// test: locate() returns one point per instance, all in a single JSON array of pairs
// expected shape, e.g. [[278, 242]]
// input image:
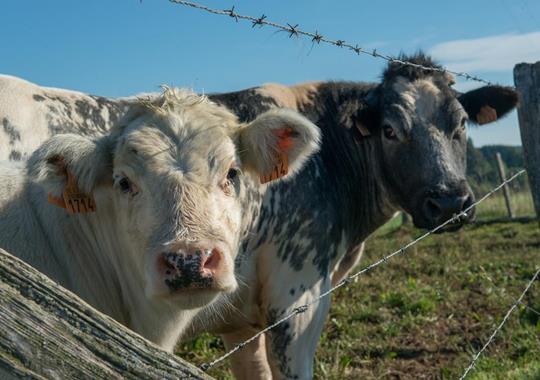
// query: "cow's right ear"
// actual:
[[86, 161]]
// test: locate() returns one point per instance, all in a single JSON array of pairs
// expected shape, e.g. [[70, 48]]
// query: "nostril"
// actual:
[[467, 202], [211, 260], [432, 209]]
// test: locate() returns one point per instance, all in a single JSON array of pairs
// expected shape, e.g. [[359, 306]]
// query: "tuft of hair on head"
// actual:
[[172, 99], [395, 69], [184, 102]]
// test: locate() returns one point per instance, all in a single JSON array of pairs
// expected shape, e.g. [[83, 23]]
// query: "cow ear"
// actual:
[[489, 103], [277, 144], [85, 162]]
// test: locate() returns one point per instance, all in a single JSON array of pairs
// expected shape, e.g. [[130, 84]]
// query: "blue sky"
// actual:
[[123, 47]]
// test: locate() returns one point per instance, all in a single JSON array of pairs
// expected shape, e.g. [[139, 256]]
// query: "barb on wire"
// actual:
[[500, 326], [316, 37], [348, 279]]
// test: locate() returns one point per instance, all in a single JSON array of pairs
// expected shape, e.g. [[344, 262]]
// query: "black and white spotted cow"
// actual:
[[395, 145], [145, 221]]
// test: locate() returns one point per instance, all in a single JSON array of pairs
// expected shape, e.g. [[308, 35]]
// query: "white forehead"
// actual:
[[183, 131], [421, 97]]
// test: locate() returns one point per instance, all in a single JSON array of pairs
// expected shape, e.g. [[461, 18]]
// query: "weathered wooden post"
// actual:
[[506, 188], [47, 332], [527, 80]]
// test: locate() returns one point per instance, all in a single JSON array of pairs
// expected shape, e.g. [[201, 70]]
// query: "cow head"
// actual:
[[175, 183], [421, 122]]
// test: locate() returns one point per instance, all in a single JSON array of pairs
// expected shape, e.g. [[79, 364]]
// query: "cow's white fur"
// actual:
[[177, 149]]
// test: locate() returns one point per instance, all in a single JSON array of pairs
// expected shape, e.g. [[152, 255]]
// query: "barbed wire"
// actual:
[[499, 327], [301, 309], [294, 30]]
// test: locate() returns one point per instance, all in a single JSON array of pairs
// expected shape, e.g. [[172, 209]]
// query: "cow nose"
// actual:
[[438, 209], [191, 268]]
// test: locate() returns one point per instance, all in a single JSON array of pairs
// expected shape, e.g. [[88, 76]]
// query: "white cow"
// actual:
[[145, 221]]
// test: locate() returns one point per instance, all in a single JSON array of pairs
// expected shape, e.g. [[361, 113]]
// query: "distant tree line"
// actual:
[[482, 166]]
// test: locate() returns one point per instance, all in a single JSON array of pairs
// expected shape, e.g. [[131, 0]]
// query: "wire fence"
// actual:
[[301, 309], [499, 327], [293, 30]]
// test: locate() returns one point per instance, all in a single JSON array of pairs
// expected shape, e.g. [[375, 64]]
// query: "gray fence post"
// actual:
[[506, 188], [47, 332], [527, 80]]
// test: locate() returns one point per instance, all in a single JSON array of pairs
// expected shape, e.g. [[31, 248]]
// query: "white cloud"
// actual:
[[494, 53]]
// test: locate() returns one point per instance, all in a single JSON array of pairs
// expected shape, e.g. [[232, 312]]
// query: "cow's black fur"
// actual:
[[343, 192]]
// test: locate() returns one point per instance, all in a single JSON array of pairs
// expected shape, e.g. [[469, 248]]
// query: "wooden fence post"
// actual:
[[506, 188], [47, 332], [527, 80]]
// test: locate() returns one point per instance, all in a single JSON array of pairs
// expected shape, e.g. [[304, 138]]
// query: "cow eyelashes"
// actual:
[[389, 132]]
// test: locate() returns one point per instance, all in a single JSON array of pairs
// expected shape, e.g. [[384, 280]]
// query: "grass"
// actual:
[[494, 206], [423, 315]]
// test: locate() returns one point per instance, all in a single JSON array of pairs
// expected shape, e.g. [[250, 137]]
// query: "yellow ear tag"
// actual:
[[280, 168], [73, 199]]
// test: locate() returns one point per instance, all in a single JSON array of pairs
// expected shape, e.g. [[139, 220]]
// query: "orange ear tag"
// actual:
[[486, 115], [364, 132], [280, 168], [73, 199]]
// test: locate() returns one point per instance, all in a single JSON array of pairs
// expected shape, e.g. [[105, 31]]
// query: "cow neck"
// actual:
[[350, 174]]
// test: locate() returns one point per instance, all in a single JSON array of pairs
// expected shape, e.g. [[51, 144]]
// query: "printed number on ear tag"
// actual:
[[73, 199], [76, 201], [280, 168]]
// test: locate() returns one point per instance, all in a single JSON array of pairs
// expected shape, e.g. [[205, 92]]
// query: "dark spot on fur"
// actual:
[[38, 98], [13, 134], [15, 155], [292, 291], [246, 104], [61, 118], [280, 340]]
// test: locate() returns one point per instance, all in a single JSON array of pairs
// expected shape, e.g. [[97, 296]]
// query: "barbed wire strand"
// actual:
[[349, 279], [499, 327], [294, 30]]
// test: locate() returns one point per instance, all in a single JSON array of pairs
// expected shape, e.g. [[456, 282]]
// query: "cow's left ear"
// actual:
[[277, 144], [68, 162], [489, 103]]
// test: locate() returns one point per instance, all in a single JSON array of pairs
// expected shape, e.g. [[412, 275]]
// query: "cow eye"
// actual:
[[232, 174], [389, 132], [125, 186], [228, 184], [458, 133], [128, 187]]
